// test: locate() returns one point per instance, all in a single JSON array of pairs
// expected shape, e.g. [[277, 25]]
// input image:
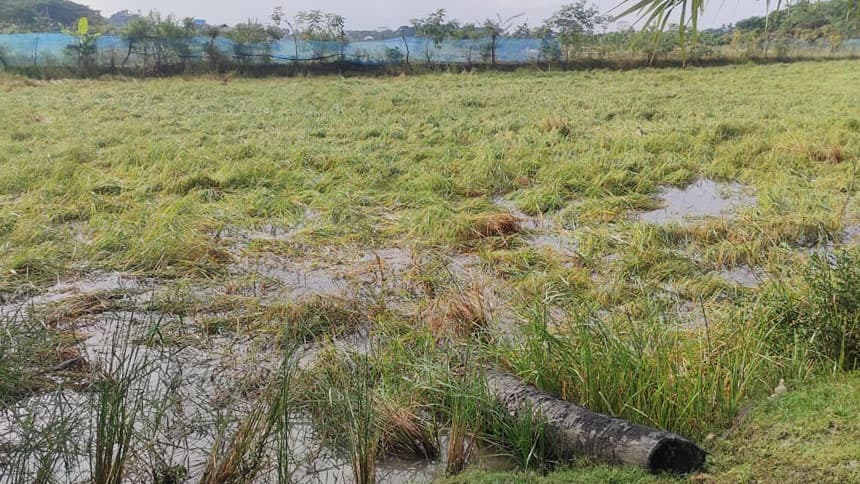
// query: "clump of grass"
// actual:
[[10, 82], [610, 208], [831, 154], [242, 456], [167, 242], [27, 354], [406, 381], [249, 286], [344, 409], [492, 225], [636, 369], [283, 409], [43, 445], [465, 399], [195, 182], [120, 403], [170, 474], [28, 271], [238, 459], [523, 437], [407, 431], [226, 313], [82, 305], [519, 263], [541, 200], [822, 313], [317, 317], [629, 366], [726, 131], [80, 154], [460, 314], [726, 243], [556, 124]]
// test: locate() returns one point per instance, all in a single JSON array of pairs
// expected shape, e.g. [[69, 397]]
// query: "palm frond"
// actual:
[[658, 13]]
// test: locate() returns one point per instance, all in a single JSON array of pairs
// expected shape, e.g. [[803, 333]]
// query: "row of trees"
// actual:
[[161, 41], [165, 40], [564, 33], [575, 30]]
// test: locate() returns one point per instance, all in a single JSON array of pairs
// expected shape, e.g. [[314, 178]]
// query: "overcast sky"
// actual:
[[370, 14]]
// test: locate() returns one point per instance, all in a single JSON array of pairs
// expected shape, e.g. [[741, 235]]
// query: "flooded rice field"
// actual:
[[195, 361]]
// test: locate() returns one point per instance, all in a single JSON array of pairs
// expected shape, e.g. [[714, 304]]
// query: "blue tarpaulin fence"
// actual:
[[47, 49], [59, 49]]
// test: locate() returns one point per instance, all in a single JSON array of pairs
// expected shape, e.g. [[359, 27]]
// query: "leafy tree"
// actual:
[[435, 27], [213, 53], [403, 30], [137, 31], [655, 43], [804, 20], [250, 35], [172, 39], [550, 49], [164, 39], [470, 37], [393, 55], [316, 25], [573, 23], [523, 31], [336, 27], [282, 22], [495, 28]]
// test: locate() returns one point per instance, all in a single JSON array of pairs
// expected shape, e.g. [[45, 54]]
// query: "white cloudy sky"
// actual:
[[368, 14]]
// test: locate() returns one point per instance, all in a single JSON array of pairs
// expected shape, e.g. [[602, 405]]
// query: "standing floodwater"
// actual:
[[704, 198]]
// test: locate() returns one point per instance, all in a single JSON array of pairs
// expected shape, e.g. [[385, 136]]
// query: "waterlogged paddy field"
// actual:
[[195, 272]]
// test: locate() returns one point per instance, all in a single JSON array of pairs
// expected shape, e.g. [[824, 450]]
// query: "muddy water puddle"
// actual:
[[469, 273], [562, 244], [704, 198], [199, 386], [851, 235], [544, 232], [64, 290], [296, 280], [264, 232], [239, 238], [176, 395], [197, 394], [347, 276], [849, 238], [744, 276], [526, 221]]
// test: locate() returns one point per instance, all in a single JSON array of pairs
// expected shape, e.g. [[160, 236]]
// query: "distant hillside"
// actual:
[[43, 15], [810, 19], [803, 19]]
